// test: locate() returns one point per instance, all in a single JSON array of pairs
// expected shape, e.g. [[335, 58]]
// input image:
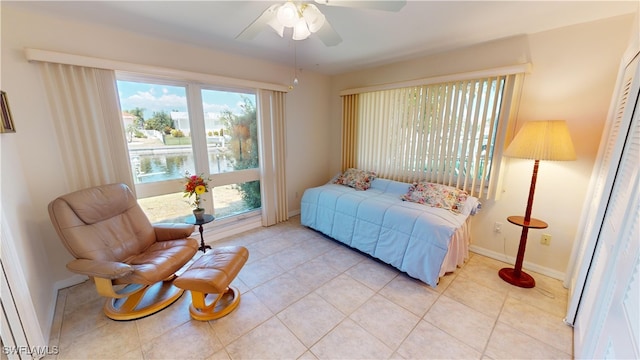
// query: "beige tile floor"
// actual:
[[307, 297]]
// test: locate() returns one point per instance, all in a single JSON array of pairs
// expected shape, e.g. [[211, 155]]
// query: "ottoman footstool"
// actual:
[[211, 274]]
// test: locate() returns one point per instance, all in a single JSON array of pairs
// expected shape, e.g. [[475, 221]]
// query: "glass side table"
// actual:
[[207, 218]]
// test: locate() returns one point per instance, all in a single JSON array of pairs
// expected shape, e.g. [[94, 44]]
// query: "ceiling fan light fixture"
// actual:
[[314, 18], [301, 30], [277, 26], [288, 14]]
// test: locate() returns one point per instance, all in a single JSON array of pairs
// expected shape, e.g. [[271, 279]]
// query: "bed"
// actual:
[[421, 240]]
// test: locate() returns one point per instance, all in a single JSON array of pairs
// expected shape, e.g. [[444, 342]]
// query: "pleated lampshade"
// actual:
[[542, 140]]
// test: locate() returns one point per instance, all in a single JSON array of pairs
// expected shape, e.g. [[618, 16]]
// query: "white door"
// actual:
[[608, 318], [603, 177]]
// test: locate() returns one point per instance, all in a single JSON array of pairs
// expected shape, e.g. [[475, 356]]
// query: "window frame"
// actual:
[[193, 93]]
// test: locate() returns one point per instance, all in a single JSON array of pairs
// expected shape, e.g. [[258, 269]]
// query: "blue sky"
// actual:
[[152, 97]]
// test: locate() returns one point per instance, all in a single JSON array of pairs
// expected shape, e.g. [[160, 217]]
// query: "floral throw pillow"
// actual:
[[436, 195], [356, 178]]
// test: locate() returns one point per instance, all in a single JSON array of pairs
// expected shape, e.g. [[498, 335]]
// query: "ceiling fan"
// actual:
[[305, 18]]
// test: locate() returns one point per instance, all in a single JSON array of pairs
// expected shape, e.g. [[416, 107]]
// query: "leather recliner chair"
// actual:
[[131, 261]]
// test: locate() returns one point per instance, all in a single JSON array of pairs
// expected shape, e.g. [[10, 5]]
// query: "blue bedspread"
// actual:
[[412, 237]]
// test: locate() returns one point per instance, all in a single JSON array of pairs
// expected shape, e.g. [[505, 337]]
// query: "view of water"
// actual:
[[148, 167], [159, 167]]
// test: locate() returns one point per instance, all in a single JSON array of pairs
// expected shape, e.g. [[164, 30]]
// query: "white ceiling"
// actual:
[[370, 37]]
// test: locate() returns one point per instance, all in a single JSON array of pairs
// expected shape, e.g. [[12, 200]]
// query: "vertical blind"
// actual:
[[349, 130], [272, 157], [447, 133], [85, 110]]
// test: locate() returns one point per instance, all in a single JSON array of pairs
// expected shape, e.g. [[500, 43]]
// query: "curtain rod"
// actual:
[[80, 60], [505, 70]]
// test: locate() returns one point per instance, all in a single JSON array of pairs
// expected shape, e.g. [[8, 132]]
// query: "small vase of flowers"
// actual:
[[196, 185]]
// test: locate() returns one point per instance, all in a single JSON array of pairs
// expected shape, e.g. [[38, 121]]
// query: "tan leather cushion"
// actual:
[[101, 202], [171, 231], [102, 223], [159, 261], [214, 271]]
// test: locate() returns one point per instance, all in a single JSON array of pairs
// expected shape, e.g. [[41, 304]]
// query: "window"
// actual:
[[107, 158], [158, 134], [173, 128], [445, 132]]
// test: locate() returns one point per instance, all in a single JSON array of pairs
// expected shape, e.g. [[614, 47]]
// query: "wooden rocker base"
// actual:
[[147, 300], [221, 306]]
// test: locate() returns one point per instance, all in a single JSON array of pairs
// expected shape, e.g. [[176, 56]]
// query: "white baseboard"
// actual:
[[57, 286], [70, 281], [512, 260], [294, 213], [215, 233]]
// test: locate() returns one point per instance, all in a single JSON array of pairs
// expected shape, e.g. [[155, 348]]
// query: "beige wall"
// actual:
[[573, 76], [31, 160]]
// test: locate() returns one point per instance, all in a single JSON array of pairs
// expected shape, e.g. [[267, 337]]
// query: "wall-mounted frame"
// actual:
[[6, 125]]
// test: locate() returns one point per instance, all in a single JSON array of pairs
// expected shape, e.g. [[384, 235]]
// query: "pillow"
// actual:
[[437, 195], [356, 178]]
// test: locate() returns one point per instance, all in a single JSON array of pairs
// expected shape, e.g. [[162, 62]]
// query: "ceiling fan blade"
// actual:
[[328, 36], [393, 5], [258, 24]]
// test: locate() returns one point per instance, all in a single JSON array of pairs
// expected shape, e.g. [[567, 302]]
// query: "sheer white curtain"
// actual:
[[86, 114], [443, 133], [272, 157]]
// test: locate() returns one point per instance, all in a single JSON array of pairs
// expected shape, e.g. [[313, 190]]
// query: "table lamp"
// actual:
[[537, 140]]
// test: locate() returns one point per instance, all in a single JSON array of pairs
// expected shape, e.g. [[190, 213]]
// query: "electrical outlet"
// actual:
[[545, 239], [497, 227]]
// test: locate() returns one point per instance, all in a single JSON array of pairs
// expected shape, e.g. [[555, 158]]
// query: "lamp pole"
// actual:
[[516, 276]]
